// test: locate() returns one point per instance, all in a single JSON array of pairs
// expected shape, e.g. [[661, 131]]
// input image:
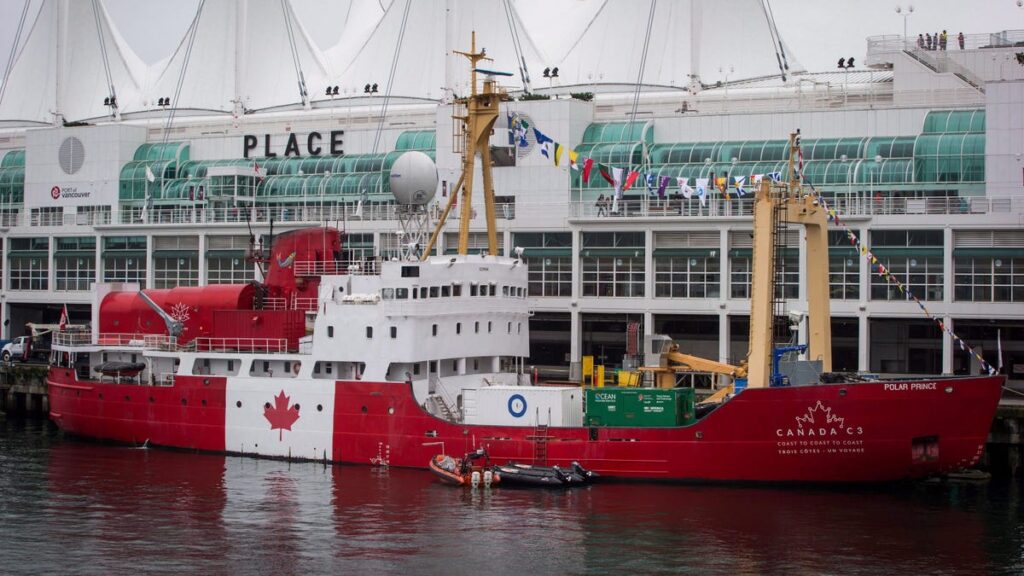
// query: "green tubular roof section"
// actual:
[[617, 132], [162, 151], [13, 158], [422, 140], [954, 122]]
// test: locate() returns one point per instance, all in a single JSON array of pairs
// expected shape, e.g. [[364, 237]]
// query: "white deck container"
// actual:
[[523, 405]]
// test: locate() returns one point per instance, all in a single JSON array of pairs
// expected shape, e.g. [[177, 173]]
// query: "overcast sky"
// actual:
[[818, 32]]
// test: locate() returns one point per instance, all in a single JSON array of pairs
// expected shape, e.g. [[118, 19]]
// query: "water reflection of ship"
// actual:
[[171, 509], [127, 501]]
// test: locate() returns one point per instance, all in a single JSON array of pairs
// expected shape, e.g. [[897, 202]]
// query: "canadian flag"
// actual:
[[63, 319]]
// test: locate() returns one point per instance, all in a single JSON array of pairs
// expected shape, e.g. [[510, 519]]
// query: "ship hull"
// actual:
[[863, 432]]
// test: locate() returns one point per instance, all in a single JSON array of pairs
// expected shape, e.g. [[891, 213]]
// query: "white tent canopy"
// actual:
[[250, 54]]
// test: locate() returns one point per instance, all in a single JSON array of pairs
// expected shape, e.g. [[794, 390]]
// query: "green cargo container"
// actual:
[[640, 407]]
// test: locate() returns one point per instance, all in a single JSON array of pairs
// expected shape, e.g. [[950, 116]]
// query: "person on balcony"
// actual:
[[960, 40]]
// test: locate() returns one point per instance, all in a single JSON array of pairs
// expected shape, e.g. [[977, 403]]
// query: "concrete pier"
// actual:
[[23, 390]]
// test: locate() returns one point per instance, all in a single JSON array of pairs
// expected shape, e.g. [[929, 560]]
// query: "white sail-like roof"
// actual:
[[65, 72], [248, 53], [242, 51], [591, 42]]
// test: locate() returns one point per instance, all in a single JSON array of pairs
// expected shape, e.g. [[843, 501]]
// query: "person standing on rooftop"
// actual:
[[920, 41], [928, 41], [960, 40], [943, 40]]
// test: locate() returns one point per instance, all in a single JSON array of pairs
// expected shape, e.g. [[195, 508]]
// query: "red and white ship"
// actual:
[[400, 353]]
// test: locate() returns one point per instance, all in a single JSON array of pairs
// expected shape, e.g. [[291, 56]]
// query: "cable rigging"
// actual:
[[643, 63], [193, 30], [517, 44], [773, 31], [111, 98], [391, 75], [14, 49], [303, 93]]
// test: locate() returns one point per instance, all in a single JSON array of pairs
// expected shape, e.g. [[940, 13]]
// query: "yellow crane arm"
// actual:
[[704, 365]]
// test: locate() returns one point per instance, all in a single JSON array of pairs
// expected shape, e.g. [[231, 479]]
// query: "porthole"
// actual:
[[297, 407], [238, 404], [151, 400], [127, 398], [266, 406], [184, 402], [204, 402], [364, 409], [319, 407], [391, 410], [101, 395]]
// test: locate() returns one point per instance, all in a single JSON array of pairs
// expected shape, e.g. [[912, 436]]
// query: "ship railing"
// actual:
[[163, 379], [305, 304], [275, 303], [336, 267], [205, 344], [72, 338]]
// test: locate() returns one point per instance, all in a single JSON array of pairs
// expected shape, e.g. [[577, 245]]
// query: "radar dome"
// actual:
[[413, 178]]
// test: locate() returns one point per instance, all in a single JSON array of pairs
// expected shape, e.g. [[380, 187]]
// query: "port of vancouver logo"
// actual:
[[818, 422]]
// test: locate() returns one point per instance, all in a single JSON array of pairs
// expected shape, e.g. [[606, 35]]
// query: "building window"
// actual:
[[394, 331], [550, 276], [686, 277], [125, 269], [28, 273], [74, 263], [843, 267], [787, 275], [843, 277], [169, 272], [739, 277], [433, 329], [48, 216], [914, 257], [330, 331], [988, 279], [458, 327], [369, 331], [74, 272], [229, 271], [28, 264], [921, 277], [124, 259], [613, 276]]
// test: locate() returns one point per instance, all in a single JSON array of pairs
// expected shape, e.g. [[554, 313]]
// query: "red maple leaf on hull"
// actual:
[[281, 416]]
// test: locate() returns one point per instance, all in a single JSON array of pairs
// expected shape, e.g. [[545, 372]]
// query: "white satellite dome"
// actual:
[[413, 178]]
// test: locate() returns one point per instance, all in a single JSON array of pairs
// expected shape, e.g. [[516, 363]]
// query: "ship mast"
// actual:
[[472, 137], [775, 205]]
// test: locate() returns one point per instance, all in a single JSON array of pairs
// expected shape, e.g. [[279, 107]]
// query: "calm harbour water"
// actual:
[[69, 506]]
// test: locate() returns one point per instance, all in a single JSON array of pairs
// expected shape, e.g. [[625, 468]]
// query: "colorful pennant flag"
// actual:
[[739, 185], [546, 144], [702, 190], [573, 158], [684, 187], [662, 185], [588, 165], [630, 180]]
